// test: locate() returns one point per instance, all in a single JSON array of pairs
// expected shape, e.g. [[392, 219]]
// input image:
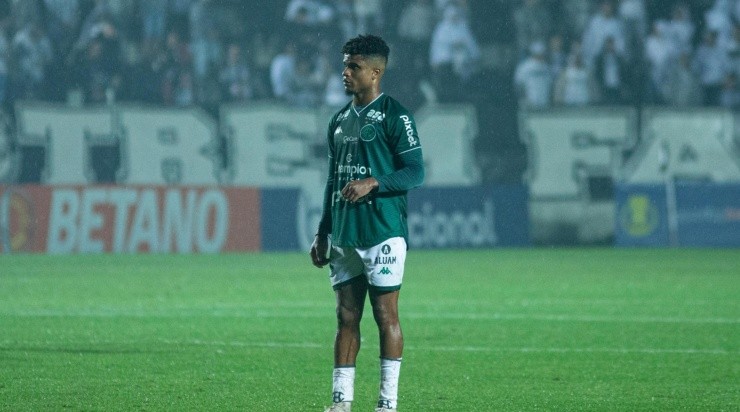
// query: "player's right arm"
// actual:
[[320, 245]]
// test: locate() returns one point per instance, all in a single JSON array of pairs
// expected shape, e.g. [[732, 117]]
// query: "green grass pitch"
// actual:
[[487, 330]]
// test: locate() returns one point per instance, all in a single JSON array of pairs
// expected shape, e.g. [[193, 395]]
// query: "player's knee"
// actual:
[[348, 317], [385, 315]]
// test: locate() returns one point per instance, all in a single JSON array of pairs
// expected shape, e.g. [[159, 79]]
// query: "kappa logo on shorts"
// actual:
[[385, 271]]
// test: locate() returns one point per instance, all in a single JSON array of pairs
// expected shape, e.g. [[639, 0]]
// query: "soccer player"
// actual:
[[374, 159]]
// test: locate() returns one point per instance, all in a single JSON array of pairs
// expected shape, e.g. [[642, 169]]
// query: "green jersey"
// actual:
[[379, 140]]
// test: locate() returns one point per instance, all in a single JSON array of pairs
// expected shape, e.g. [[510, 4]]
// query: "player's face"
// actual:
[[358, 74]]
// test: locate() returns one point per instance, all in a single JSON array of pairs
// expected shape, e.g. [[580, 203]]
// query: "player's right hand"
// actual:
[[319, 250]]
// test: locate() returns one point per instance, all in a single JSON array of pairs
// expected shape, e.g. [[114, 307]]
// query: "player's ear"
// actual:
[[377, 73]]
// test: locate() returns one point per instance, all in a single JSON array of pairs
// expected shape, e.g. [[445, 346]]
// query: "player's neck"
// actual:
[[364, 98]]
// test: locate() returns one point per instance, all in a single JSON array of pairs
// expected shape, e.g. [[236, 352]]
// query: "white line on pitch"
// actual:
[[309, 345], [421, 348], [266, 314]]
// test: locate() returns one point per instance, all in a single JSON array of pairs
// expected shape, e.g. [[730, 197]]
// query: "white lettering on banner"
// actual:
[[268, 145], [130, 220], [566, 147], [122, 200], [65, 205], [66, 134], [214, 203], [448, 164], [145, 224], [91, 221], [169, 147], [693, 144], [454, 229], [177, 224], [276, 147]]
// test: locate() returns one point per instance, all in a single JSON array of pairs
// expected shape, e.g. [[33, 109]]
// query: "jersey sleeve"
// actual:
[[404, 141], [408, 176], [325, 224], [401, 131]]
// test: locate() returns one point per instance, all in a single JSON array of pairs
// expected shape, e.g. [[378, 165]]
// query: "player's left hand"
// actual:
[[355, 190]]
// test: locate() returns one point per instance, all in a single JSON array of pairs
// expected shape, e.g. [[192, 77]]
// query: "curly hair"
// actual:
[[367, 45]]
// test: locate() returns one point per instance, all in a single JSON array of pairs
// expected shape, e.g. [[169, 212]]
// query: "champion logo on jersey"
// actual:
[[375, 115]]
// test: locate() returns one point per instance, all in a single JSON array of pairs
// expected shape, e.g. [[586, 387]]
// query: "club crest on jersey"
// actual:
[[368, 133]]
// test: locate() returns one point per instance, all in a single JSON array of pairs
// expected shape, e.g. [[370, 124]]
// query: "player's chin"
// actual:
[[348, 91]]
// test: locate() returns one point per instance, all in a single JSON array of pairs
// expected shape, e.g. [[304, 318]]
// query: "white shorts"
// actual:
[[381, 264]]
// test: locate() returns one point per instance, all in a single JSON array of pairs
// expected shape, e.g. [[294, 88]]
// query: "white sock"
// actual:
[[343, 385], [389, 371]]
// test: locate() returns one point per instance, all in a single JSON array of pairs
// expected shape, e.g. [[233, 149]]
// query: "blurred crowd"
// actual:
[[535, 53], [618, 54]]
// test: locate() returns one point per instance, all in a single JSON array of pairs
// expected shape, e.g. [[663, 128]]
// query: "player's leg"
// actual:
[[350, 289], [350, 304], [385, 312], [385, 268]]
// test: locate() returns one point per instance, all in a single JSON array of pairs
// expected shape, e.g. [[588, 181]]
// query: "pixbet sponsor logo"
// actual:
[[430, 227], [410, 135]]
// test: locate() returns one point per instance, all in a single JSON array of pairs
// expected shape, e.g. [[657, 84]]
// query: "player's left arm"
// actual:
[[404, 141], [408, 176]]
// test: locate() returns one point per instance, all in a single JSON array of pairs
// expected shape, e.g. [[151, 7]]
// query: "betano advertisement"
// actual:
[[128, 219]]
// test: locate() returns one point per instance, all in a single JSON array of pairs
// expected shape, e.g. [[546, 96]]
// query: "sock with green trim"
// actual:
[[389, 372]]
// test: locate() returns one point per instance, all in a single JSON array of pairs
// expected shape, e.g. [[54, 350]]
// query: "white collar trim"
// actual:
[[366, 106]]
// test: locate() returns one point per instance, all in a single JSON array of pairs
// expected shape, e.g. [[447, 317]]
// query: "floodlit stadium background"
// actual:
[[161, 171], [198, 126]]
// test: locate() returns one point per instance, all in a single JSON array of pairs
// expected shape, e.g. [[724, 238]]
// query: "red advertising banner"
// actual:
[[129, 219]]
